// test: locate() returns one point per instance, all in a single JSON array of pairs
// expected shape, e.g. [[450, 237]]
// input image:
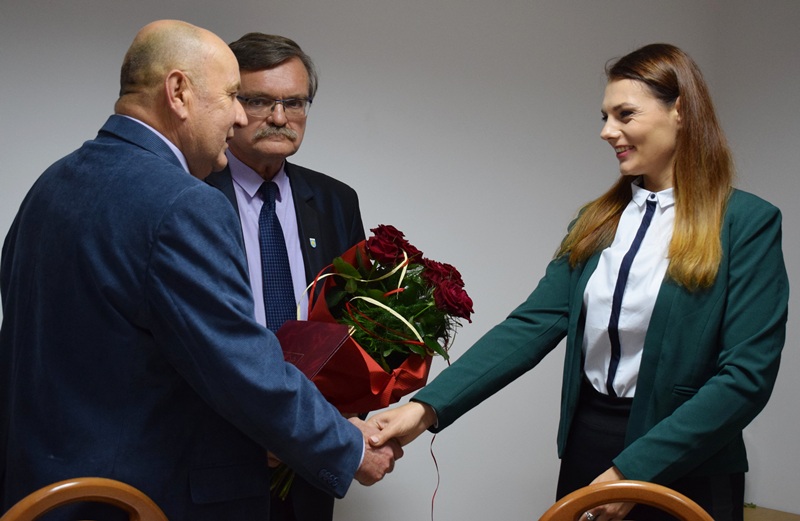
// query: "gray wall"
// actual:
[[473, 126]]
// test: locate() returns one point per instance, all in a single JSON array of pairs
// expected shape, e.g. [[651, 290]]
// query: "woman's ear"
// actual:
[[677, 108]]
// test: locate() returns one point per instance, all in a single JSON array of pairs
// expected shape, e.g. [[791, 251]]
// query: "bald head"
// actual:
[[182, 80], [158, 48]]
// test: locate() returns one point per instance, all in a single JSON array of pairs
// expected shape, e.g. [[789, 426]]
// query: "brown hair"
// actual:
[[257, 51], [703, 171]]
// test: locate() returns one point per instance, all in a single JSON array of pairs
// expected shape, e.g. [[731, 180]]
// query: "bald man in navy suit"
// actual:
[[128, 347]]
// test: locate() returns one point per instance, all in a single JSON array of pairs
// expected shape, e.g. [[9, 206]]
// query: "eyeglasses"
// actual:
[[260, 107]]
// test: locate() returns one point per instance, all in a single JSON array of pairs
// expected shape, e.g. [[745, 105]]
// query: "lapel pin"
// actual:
[[313, 242]]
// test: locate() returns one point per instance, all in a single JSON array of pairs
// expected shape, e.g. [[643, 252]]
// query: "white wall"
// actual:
[[473, 126]]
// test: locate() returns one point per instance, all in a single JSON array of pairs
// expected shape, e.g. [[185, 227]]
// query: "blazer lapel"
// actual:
[[315, 253], [576, 306], [668, 295], [223, 181]]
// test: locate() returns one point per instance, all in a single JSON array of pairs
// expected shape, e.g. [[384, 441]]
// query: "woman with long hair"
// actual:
[[672, 293]]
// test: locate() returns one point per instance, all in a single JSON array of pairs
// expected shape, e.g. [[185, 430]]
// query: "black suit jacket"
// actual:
[[328, 215], [329, 223]]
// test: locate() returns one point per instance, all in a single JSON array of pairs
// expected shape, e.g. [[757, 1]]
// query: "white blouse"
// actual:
[[644, 281]]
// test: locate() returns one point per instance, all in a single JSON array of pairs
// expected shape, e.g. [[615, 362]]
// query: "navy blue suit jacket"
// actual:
[[128, 348]]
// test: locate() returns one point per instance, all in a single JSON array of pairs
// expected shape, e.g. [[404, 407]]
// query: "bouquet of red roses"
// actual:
[[401, 308]]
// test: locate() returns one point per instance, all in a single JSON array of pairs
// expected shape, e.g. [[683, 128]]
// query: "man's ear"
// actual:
[[178, 93]]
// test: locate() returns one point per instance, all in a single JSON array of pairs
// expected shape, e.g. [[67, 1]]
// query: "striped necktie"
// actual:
[[619, 290]]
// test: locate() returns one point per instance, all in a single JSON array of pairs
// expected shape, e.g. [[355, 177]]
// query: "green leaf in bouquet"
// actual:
[[437, 348], [362, 263], [418, 349], [434, 329], [376, 294], [411, 295], [334, 297], [345, 268]]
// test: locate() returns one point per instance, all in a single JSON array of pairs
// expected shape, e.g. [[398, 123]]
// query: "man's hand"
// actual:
[[272, 460], [378, 460], [403, 423]]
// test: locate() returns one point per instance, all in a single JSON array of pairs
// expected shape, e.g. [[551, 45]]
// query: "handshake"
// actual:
[[386, 433]]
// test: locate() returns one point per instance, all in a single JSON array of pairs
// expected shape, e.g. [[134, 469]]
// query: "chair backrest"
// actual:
[[573, 505], [133, 501]]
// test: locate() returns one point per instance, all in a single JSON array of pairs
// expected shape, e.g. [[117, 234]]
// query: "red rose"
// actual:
[[451, 298], [436, 272], [387, 245], [387, 232]]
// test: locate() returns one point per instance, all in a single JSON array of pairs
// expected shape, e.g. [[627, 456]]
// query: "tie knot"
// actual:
[[268, 191]]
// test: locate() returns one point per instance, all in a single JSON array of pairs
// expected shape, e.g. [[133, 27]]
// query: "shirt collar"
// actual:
[[170, 144], [664, 198], [249, 180]]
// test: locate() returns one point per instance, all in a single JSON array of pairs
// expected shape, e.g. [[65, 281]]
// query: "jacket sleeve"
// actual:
[[749, 335], [507, 351], [199, 306]]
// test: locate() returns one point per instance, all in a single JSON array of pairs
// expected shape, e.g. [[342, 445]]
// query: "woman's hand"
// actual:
[[611, 511], [404, 423]]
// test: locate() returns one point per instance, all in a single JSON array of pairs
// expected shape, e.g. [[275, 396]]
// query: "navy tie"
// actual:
[[279, 302], [619, 289]]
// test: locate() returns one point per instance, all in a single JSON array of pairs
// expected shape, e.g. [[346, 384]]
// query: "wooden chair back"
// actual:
[[572, 506], [133, 501]]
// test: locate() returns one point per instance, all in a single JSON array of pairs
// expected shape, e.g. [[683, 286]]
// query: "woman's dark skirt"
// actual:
[[597, 436]]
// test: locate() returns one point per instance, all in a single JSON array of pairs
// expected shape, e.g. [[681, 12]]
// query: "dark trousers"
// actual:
[[305, 502], [596, 437]]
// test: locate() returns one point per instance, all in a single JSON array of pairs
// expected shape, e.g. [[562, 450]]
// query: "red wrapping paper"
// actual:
[[352, 380]]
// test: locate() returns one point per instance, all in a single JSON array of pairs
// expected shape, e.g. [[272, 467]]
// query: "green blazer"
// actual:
[[709, 362]]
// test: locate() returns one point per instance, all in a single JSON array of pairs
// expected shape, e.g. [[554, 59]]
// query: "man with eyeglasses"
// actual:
[[319, 215]]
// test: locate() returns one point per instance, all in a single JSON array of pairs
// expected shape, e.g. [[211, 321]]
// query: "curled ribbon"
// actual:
[[402, 266], [393, 312]]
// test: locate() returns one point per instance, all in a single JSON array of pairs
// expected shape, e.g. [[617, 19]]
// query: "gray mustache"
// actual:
[[275, 131]]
